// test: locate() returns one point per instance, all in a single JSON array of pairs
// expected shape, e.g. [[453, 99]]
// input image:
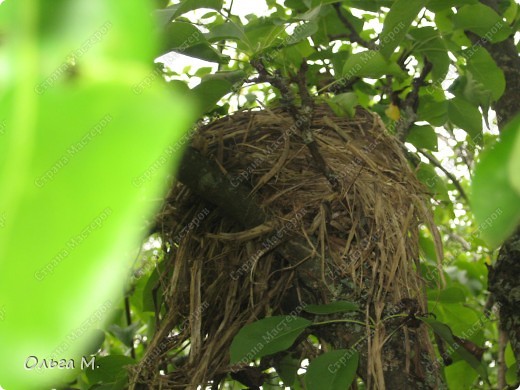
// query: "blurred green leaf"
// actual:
[[459, 377], [97, 337], [67, 183], [511, 376], [447, 295], [514, 160], [494, 200]]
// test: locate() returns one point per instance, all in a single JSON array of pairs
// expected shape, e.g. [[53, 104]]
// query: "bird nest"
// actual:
[[274, 231]]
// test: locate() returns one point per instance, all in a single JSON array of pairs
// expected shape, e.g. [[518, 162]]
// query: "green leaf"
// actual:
[[296, 5], [302, 31], [209, 92], [428, 248], [423, 137], [447, 295], [232, 76], [369, 63], [440, 5], [330, 308], [330, 25], [185, 38], [229, 31], [494, 200], [486, 72], [460, 317], [445, 333], [149, 287], [483, 21], [292, 56], [173, 11], [511, 375], [397, 22], [459, 377], [180, 35], [511, 12], [262, 33], [432, 111], [125, 334], [109, 369], [514, 160], [334, 370], [311, 15], [470, 89], [369, 5], [467, 117], [315, 3], [288, 368], [429, 43], [265, 337], [344, 104]]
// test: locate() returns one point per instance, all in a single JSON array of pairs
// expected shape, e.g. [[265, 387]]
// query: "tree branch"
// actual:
[[302, 116], [448, 174], [411, 103], [353, 34]]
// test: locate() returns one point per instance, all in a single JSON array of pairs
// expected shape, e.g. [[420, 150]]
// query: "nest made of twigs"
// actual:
[[219, 275]]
